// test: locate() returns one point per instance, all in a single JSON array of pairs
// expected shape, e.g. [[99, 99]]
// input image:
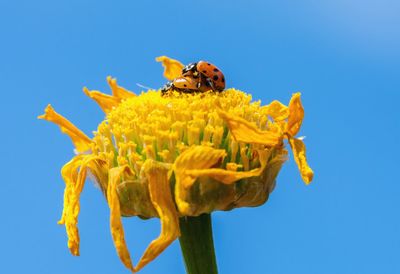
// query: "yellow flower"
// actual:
[[177, 155]]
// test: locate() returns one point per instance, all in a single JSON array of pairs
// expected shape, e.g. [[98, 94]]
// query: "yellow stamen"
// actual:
[[79, 139], [243, 157], [234, 150]]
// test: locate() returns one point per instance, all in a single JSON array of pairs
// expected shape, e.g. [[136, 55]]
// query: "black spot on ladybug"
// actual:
[[216, 70], [184, 85], [223, 79], [204, 71], [209, 64], [215, 77]]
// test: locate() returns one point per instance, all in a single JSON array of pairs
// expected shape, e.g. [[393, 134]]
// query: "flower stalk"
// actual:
[[197, 244]]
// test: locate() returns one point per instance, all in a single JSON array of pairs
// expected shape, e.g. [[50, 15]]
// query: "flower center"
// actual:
[[151, 126]]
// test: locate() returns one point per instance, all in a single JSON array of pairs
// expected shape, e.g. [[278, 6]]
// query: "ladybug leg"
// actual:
[[202, 84], [205, 84], [167, 87], [210, 83]]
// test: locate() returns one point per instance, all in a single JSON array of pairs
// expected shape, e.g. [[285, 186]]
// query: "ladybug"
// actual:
[[209, 75], [184, 84]]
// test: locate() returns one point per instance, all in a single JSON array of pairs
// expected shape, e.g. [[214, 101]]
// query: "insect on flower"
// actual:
[[197, 77], [210, 76], [183, 84], [183, 155]]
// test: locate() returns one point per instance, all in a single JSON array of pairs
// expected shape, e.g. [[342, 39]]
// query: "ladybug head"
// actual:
[[166, 87], [190, 67]]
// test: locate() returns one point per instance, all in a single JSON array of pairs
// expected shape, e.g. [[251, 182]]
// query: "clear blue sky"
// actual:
[[344, 56]]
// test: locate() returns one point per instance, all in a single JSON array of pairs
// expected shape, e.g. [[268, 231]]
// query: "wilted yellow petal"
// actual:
[[244, 131], [106, 102], [72, 193], [224, 176], [118, 91], [296, 115], [276, 110], [99, 171], [80, 140], [69, 173], [194, 158], [160, 194], [229, 176], [172, 68], [299, 152], [233, 166], [117, 230]]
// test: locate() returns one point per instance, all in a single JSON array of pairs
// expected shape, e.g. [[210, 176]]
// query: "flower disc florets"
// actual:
[[178, 155]]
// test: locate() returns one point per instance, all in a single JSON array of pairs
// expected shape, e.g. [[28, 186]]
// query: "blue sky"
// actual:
[[344, 56]]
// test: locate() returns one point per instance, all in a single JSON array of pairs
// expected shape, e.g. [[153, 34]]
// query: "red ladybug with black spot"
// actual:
[[210, 77]]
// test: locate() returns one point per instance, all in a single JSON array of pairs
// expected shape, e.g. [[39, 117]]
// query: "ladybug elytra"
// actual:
[[181, 84], [208, 74]]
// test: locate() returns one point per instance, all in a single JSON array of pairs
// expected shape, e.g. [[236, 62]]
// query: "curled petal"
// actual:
[[224, 176], [74, 185], [233, 166], [69, 173], [229, 176], [276, 110], [117, 230], [117, 91], [160, 194], [195, 158], [172, 68], [244, 131], [81, 141], [299, 152], [296, 115], [99, 172], [106, 102]]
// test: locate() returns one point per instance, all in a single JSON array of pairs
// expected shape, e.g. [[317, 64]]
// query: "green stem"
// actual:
[[197, 244]]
